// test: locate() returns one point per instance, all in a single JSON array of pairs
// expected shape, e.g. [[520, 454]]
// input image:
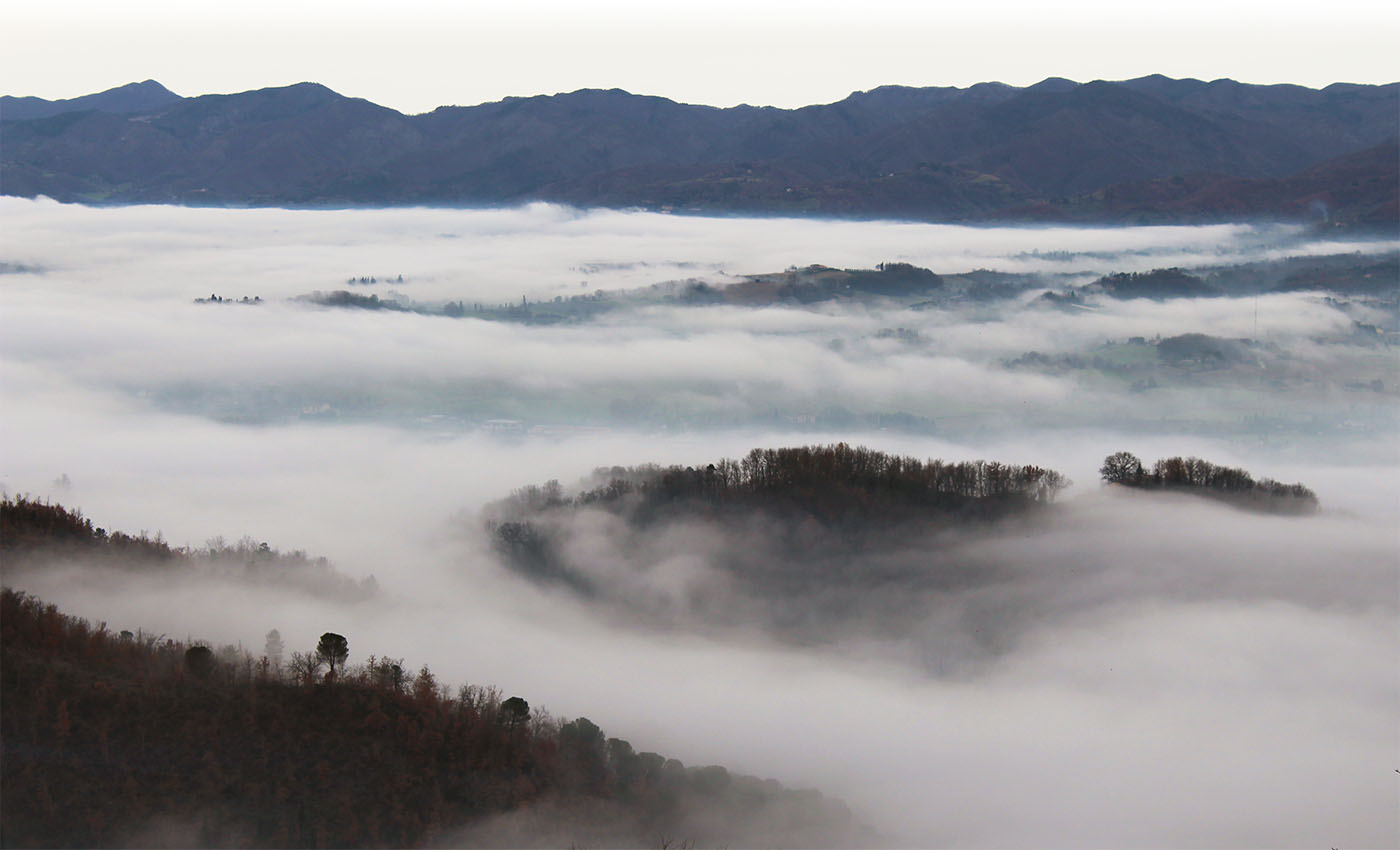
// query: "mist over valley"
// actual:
[[954, 613]]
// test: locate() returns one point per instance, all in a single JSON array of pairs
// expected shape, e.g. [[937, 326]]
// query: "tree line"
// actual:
[[831, 482], [1194, 475]]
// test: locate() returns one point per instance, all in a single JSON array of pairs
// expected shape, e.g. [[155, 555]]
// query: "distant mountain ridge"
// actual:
[[1055, 150]]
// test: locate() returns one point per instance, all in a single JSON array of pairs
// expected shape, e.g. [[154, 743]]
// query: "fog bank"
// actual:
[[1146, 670]]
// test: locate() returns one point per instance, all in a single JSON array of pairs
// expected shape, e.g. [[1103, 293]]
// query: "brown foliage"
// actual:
[[108, 742]]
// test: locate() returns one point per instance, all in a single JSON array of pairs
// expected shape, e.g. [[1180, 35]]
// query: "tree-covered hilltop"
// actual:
[[29, 527], [37, 535], [1193, 475], [124, 739], [833, 484], [1157, 284], [801, 542]]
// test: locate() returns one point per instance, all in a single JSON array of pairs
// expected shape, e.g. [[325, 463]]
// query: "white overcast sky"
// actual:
[[414, 55]]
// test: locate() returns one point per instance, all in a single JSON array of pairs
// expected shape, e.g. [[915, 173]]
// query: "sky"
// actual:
[[419, 54]]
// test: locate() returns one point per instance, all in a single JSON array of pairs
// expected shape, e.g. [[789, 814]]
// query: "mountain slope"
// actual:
[[130, 98], [925, 153], [1361, 188]]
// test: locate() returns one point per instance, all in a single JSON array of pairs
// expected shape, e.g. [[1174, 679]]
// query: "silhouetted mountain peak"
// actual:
[[989, 91], [148, 86], [1054, 84], [1164, 87], [604, 94], [144, 96], [266, 104], [304, 91]]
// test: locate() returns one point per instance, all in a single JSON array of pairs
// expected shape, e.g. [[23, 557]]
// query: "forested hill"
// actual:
[[1149, 149], [124, 739], [805, 543], [837, 485]]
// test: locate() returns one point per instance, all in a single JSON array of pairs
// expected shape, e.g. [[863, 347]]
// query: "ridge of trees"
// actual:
[[1194, 475], [34, 533], [27, 525], [831, 483], [115, 739]]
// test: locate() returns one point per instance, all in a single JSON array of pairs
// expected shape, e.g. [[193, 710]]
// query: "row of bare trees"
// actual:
[[837, 468], [1193, 474]]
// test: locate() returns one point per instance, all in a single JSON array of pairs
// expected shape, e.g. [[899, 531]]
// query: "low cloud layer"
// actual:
[[1147, 669], [104, 299]]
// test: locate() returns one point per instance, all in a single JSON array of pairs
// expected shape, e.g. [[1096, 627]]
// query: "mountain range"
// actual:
[[1152, 149]]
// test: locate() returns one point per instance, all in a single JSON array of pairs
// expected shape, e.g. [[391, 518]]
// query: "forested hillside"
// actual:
[[126, 739], [36, 535], [806, 543]]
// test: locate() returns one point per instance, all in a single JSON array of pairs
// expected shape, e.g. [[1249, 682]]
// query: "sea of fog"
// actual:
[[1192, 675]]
